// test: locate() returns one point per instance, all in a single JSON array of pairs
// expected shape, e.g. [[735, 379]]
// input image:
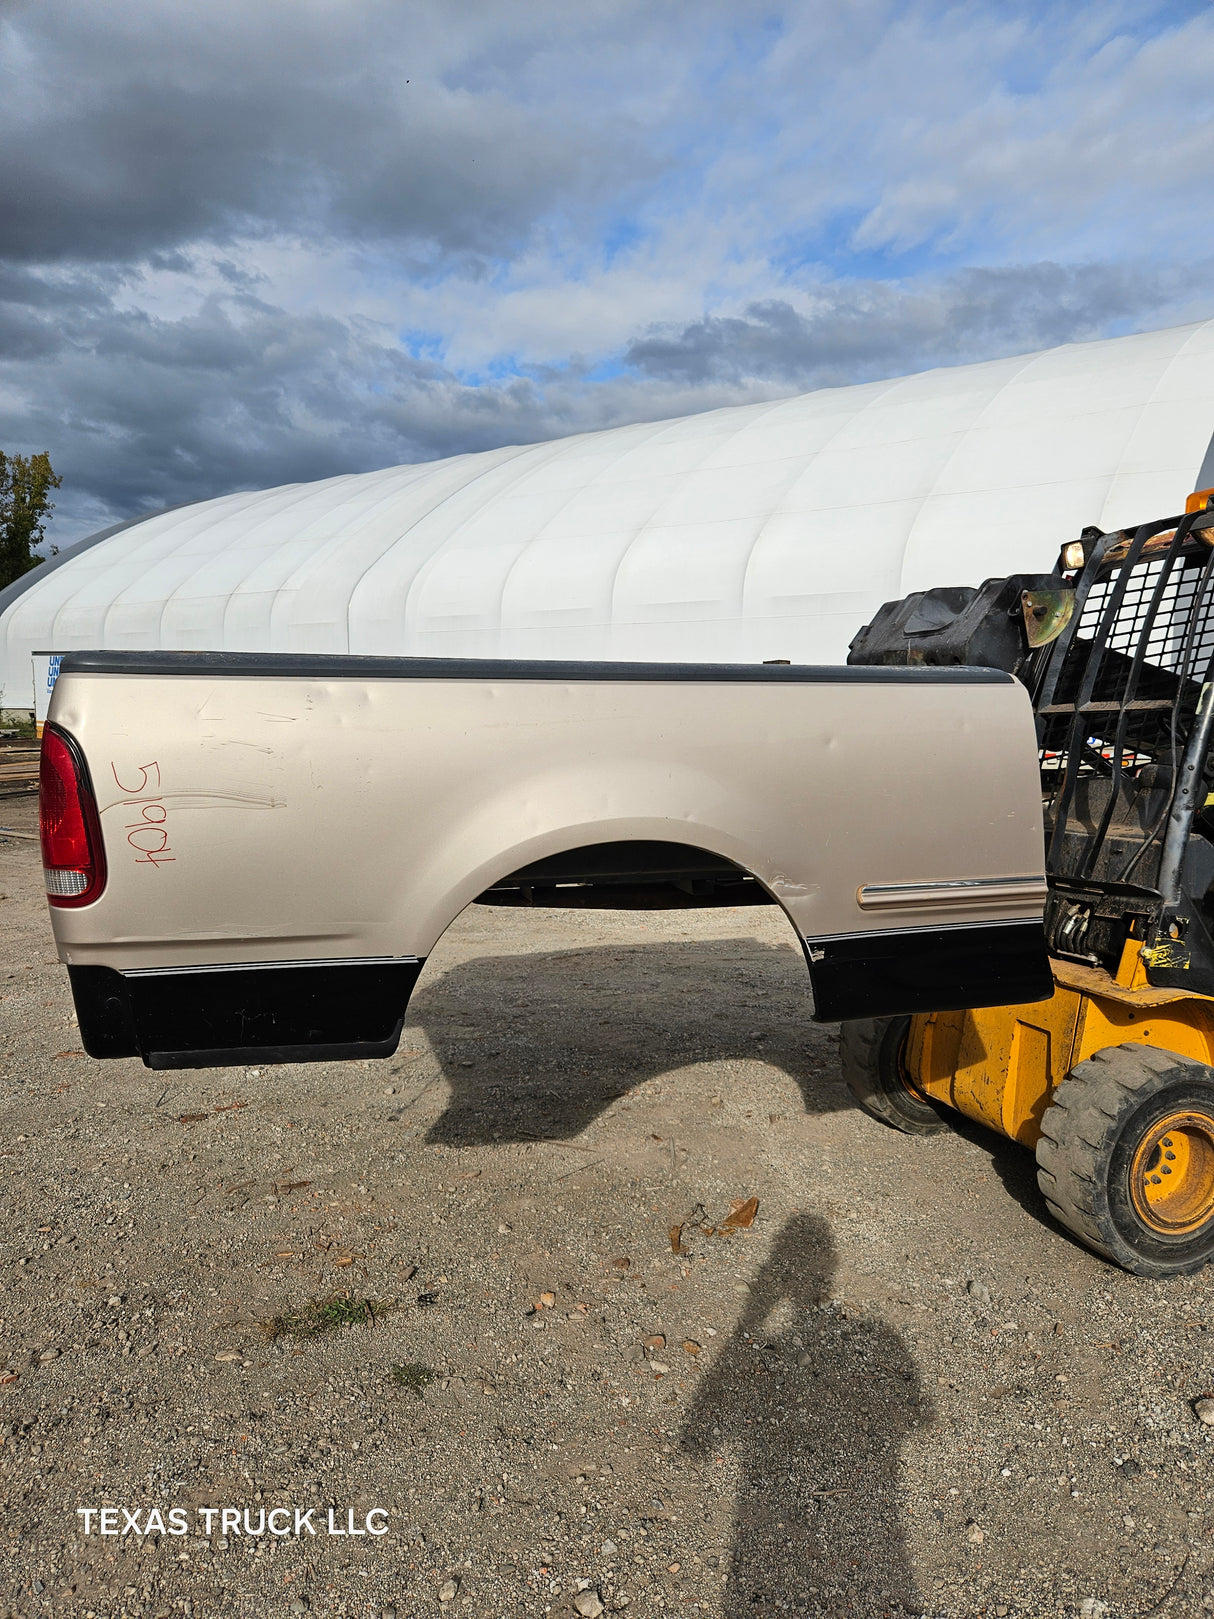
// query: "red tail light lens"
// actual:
[[73, 859]]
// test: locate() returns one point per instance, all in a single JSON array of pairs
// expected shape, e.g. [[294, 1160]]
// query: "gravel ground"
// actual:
[[900, 1391]]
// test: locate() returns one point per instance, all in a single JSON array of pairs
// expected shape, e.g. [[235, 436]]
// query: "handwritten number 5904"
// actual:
[[147, 835], [142, 785]]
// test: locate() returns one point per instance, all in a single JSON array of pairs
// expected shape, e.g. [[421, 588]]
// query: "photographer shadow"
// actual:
[[816, 1407]]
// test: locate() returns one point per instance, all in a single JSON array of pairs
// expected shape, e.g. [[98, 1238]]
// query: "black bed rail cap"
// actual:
[[334, 666]]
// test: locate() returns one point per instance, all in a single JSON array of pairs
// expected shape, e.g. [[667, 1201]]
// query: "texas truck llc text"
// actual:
[[281, 1521]]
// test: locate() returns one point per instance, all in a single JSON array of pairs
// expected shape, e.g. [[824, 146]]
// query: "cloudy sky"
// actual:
[[245, 244]]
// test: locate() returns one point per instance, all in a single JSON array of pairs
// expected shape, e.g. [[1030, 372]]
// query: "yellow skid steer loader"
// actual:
[[1111, 1081]]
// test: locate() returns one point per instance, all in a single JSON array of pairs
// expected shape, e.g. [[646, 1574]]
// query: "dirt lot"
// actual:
[[900, 1391]]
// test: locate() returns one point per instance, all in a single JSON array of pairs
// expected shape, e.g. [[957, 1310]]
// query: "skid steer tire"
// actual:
[[1126, 1159], [870, 1050]]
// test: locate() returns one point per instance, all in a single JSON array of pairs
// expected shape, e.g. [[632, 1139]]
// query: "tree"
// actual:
[[26, 482]]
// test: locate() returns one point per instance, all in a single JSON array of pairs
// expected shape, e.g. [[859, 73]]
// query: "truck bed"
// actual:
[[286, 836]]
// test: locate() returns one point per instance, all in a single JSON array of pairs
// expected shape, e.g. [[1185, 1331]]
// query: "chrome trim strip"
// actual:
[[966, 891], [259, 966], [922, 927]]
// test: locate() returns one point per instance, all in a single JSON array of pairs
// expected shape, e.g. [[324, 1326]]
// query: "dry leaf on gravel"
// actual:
[[741, 1217], [741, 1214]]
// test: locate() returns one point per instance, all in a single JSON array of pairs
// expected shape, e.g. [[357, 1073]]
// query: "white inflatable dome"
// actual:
[[764, 531]]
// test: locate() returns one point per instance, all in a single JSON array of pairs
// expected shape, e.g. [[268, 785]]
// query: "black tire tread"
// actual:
[[1078, 1131], [860, 1055]]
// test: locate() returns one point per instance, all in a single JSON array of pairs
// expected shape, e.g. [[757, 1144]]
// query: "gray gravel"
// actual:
[[901, 1391]]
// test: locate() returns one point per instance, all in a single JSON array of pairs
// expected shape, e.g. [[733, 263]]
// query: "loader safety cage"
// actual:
[[1125, 709]]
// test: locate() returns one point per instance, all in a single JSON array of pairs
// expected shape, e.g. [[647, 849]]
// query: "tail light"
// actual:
[[73, 858]]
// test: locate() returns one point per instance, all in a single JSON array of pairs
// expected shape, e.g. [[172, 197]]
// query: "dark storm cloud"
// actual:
[[247, 244], [149, 412], [133, 131], [863, 330], [255, 396]]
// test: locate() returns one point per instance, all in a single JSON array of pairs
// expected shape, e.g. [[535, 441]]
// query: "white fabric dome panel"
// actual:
[[758, 531]]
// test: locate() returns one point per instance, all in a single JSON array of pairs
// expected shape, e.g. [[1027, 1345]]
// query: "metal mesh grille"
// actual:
[[1165, 637], [1167, 613]]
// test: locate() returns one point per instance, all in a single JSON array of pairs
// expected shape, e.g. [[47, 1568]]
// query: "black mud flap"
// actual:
[[217, 1017], [881, 974]]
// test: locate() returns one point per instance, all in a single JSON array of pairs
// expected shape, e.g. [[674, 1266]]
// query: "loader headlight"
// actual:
[[1072, 555]]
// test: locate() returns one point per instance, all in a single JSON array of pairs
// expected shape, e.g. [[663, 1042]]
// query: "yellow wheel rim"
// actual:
[[1172, 1174]]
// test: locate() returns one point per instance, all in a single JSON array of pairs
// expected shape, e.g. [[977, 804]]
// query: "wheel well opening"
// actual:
[[633, 874]]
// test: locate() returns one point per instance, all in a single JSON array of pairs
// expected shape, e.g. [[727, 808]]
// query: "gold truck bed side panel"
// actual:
[[269, 818]]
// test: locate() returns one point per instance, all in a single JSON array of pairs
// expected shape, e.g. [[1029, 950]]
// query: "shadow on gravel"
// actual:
[[1016, 1166], [537, 1046], [818, 1522]]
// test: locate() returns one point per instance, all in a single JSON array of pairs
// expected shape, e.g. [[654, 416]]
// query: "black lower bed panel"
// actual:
[[221, 1016], [928, 970]]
